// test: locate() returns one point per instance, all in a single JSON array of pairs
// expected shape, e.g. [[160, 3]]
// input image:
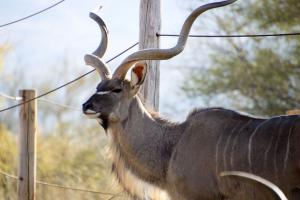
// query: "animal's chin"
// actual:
[[101, 118], [103, 121]]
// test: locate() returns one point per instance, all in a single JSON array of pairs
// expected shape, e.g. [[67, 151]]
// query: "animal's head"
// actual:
[[114, 93]]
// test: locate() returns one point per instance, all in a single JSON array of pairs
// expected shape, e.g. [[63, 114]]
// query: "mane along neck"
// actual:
[[141, 148]]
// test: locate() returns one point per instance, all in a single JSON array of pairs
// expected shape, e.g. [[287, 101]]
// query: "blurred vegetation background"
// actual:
[[71, 150], [256, 75]]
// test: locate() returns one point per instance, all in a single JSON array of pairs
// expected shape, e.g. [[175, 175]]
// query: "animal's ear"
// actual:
[[138, 74]]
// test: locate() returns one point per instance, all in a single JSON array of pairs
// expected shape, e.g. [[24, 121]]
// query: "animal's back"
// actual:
[[217, 140]]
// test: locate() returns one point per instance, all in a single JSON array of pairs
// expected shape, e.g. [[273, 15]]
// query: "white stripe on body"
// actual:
[[235, 141], [250, 142]]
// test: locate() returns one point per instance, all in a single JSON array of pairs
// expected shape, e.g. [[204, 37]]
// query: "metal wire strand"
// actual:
[[60, 105], [8, 175], [58, 186], [72, 188], [68, 83], [32, 15], [44, 100], [234, 36]]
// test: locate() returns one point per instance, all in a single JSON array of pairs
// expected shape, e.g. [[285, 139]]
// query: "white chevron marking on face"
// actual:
[[103, 92]]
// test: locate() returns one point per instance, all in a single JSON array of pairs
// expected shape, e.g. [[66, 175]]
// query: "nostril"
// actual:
[[86, 106]]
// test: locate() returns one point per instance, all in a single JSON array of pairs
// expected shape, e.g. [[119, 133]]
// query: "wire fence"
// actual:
[[68, 83], [43, 100], [135, 44], [8, 175], [39, 97], [83, 75], [112, 195], [234, 36], [31, 15], [14, 177]]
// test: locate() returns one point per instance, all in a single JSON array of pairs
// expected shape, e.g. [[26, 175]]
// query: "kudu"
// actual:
[[157, 159]]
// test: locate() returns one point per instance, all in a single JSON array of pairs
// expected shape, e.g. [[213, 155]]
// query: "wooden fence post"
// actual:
[[149, 26], [27, 147]]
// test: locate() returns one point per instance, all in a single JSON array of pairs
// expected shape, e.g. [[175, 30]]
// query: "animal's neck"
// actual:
[[145, 144]]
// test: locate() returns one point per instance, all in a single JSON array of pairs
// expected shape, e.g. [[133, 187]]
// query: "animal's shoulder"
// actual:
[[227, 115], [218, 113], [216, 119]]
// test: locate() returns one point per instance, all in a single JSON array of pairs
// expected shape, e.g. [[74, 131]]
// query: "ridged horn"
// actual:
[[94, 59], [261, 183], [101, 49], [99, 65], [164, 54]]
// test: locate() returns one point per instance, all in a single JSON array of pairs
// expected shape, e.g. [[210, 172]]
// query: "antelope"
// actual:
[[154, 158]]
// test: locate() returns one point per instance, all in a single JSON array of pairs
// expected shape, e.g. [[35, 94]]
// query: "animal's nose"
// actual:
[[86, 106]]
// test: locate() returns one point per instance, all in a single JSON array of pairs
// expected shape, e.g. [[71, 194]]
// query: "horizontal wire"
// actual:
[[42, 99], [29, 16], [68, 83], [60, 105], [8, 175], [10, 97], [234, 36], [158, 34], [72, 188], [58, 186]]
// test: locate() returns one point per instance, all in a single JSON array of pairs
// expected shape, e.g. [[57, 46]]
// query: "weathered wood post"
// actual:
[[150, 25], [27, 147]]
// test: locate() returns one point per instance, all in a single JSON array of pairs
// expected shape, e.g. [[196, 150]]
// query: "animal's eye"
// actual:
[[117, 90]]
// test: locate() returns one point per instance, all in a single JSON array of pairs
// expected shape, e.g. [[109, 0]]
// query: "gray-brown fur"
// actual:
[[186, 158], [156, 159]]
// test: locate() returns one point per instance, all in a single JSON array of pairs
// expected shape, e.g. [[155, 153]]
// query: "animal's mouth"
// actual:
[[91, 114]]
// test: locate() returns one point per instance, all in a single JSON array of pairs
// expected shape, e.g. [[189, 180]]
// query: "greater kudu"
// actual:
[[157, 159]]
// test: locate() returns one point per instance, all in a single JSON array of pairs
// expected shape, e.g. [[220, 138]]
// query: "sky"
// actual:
[[67, 27], [66, 30]]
